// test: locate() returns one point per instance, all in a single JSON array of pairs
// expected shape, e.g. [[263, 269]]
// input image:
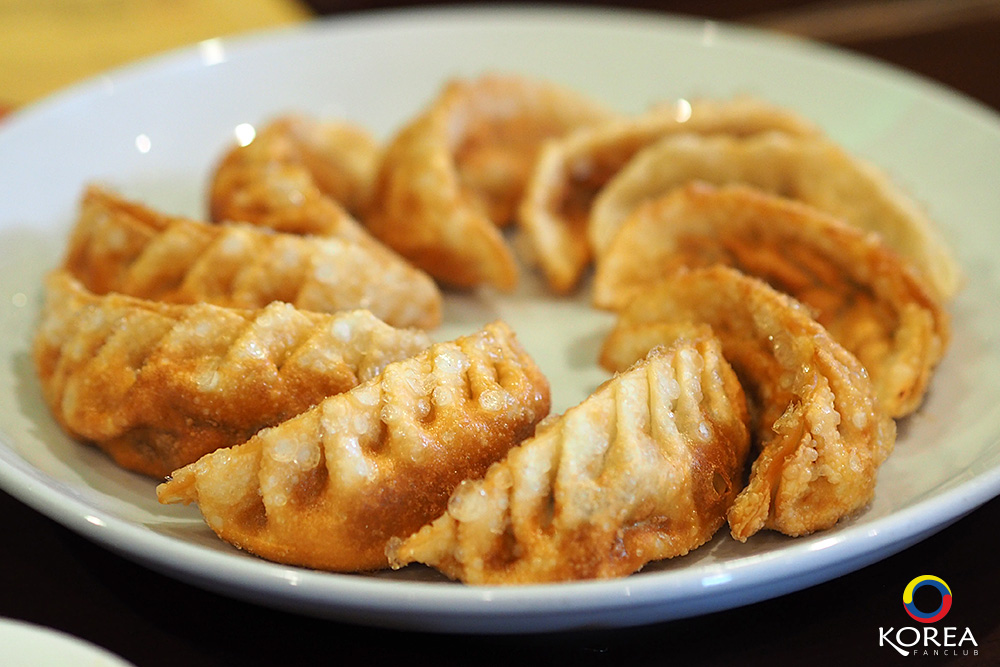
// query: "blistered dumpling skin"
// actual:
[[159, 385], [813, 170], [329, 488], [863, 293], [457, 171], [644, 469], [298, 175], [122, 246], [571, 170], [818, 425]]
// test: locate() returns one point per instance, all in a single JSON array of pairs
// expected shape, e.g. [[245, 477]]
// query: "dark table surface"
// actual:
[[52, 577]]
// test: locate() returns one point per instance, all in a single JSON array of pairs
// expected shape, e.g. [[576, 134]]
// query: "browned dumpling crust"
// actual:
[[329, 488], [457, 171], [159, 385], [818, 425], [810, 169], [298, 175], [571, 170], [869, 299], [123, 246], [644, 469]]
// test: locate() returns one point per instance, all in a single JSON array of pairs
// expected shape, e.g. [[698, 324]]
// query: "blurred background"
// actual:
[[46, 45]]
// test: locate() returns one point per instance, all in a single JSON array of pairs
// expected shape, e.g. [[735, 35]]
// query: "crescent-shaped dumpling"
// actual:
[[158, 385], [298, 175], [862, 292], [642, 470], [329, 488], [571, 170], [122, 246], [813, 170], [458, 169], [820, 430]]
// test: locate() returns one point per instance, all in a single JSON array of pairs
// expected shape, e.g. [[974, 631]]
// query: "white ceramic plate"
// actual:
[[28, 644], [154, 130]]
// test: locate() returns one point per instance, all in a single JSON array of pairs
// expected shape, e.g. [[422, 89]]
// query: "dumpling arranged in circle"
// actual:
[[298, 175], [570, 171], [456, 172], [158, 385], [122, 246], [810, 169], [863, 293], [329, 488], [642, 470], [819, 430]]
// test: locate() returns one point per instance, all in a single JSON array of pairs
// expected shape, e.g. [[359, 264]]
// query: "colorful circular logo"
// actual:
[[922, 616]]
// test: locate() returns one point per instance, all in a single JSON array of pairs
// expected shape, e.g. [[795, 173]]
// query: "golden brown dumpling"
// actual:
[[571, 170], [818, 425], [862, 292], [458, 169], [329, 488], [644, 469], [159, 385], [300, 176], [122, 246], [813, 170]]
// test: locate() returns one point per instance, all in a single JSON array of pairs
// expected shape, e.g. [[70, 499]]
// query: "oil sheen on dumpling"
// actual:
[[298, 175], [643, 469], [571, 170], [159, 385], [329, 488], [457, 170], [813, 170], [863, 293], [818, 426], [122, 246]]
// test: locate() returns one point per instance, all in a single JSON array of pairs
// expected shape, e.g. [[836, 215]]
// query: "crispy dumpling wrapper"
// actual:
[[862, 292], [813, 170], [122, 246], [458, 169], [342, 157], [644, 469], [159, 385], [329, 488], [298, 175], [817, 422], [571, 170]]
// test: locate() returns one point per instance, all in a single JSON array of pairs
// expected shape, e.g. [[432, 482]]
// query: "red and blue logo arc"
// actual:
[[923, 616]]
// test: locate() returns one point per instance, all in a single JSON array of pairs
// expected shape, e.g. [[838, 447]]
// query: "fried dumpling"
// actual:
[[862, 292], [342, 157], [298, 175], [817, 422], [644, 469], [329, 488], [809, 169], [458, 169], [122, 246], [158, 385], [571, 170]]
